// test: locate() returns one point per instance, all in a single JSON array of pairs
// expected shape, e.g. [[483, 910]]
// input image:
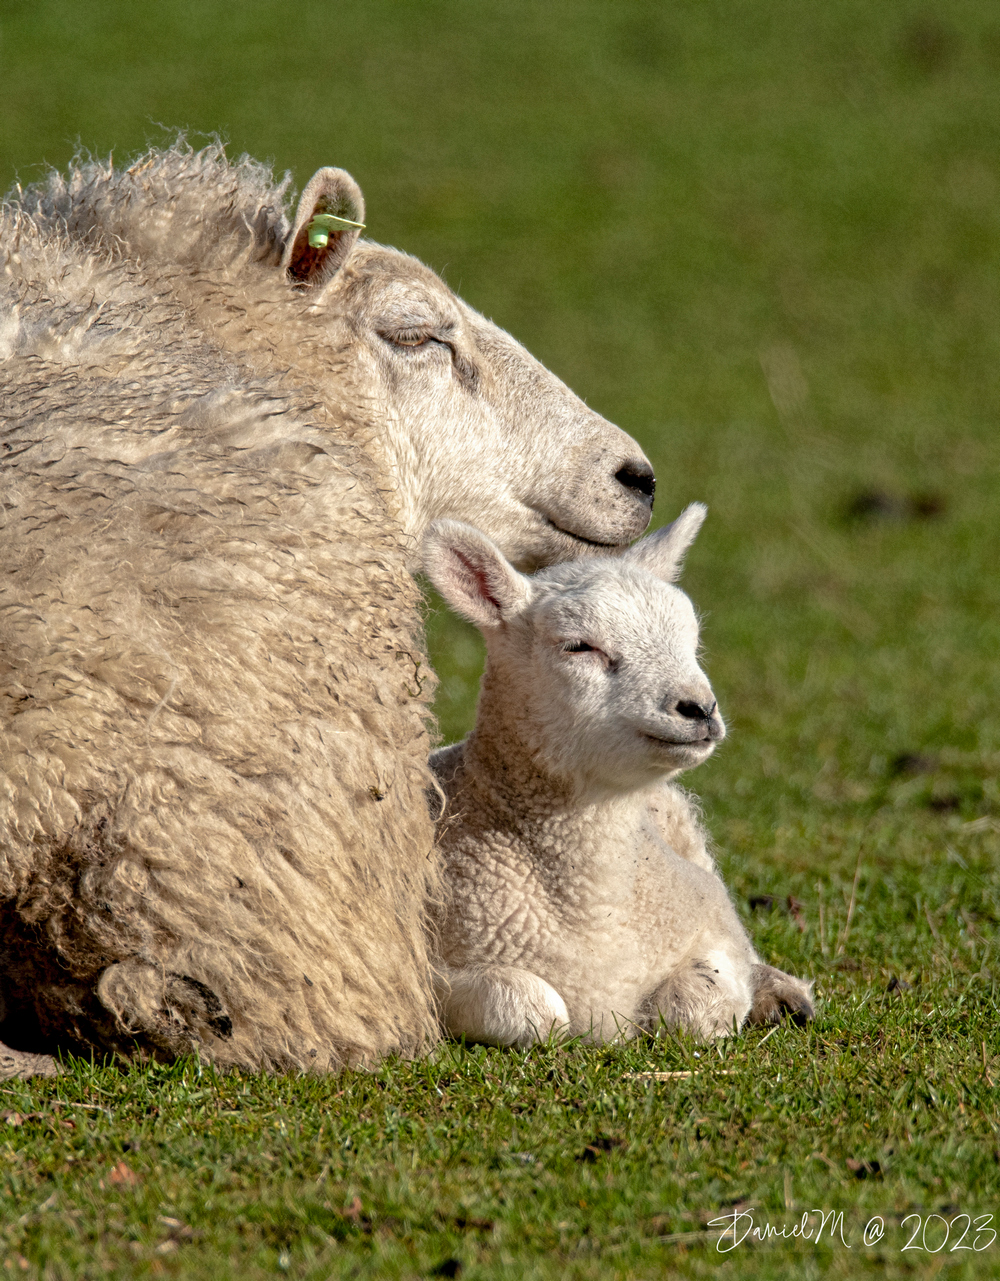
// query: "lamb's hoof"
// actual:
[[777, 995], [15, 1063]]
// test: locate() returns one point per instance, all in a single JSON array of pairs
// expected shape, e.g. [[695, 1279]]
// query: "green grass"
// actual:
[[765, 238], [551, 1163]]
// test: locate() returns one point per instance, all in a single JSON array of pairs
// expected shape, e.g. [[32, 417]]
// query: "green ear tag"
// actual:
[[323, 224]]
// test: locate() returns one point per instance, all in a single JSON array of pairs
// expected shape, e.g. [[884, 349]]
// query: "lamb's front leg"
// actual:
[[712, 991], [709, 994], [777, 995], [499, 1005]]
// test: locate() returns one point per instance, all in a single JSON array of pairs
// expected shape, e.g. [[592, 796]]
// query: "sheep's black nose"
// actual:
[[638, 477], [696, 711]]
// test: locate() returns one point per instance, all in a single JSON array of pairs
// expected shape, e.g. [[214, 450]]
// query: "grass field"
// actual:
[[765, 239]]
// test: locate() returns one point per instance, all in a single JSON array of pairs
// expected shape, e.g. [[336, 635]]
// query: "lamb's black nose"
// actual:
[[696, 711], [637, 476], [716, 729], [707, 713]]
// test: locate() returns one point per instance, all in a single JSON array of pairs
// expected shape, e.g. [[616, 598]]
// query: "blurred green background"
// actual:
[[762, 237]]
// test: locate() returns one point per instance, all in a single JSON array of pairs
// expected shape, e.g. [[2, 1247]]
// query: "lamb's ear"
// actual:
[[662, 553], [330, 217], [472, 574]]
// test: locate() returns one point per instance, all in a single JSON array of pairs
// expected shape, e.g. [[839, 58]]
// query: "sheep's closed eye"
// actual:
[[430, 338], [414, 331], [408, 337]]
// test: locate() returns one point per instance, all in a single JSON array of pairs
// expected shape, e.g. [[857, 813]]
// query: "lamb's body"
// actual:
[[580, 895], [219, 444], [590, 898]]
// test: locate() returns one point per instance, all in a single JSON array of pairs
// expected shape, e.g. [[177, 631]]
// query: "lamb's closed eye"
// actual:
[[583, 652]]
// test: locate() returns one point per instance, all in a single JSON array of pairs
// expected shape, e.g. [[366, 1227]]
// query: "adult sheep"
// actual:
[[222, 434]]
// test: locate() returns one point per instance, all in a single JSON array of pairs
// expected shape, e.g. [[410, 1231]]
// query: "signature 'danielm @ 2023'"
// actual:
[[931, 1233]]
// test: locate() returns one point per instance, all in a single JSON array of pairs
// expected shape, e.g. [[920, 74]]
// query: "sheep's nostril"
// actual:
[[695, 711], [638, 477]]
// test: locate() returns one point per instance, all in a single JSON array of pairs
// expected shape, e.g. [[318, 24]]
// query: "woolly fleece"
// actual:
[[213, 693]]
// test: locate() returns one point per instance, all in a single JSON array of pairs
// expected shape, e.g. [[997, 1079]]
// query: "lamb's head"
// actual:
[[592, 666], [477, 429]]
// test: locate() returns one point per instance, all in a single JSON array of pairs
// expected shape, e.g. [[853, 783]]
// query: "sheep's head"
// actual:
[[475, 428], [592, 665]]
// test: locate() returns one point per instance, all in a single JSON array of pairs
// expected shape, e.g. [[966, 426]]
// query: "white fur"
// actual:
[[570, 857], [501, 1005]]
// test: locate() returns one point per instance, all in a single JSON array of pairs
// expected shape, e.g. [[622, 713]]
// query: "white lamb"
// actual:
[[581, 895]]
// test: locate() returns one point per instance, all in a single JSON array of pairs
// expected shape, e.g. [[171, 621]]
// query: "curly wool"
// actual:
[[213, 703]]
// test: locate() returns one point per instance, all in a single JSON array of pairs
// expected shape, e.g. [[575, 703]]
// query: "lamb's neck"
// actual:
[[511, 784]]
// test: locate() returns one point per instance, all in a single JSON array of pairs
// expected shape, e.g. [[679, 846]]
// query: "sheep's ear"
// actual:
[[663, 553], [472, 574], [330, 217]]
